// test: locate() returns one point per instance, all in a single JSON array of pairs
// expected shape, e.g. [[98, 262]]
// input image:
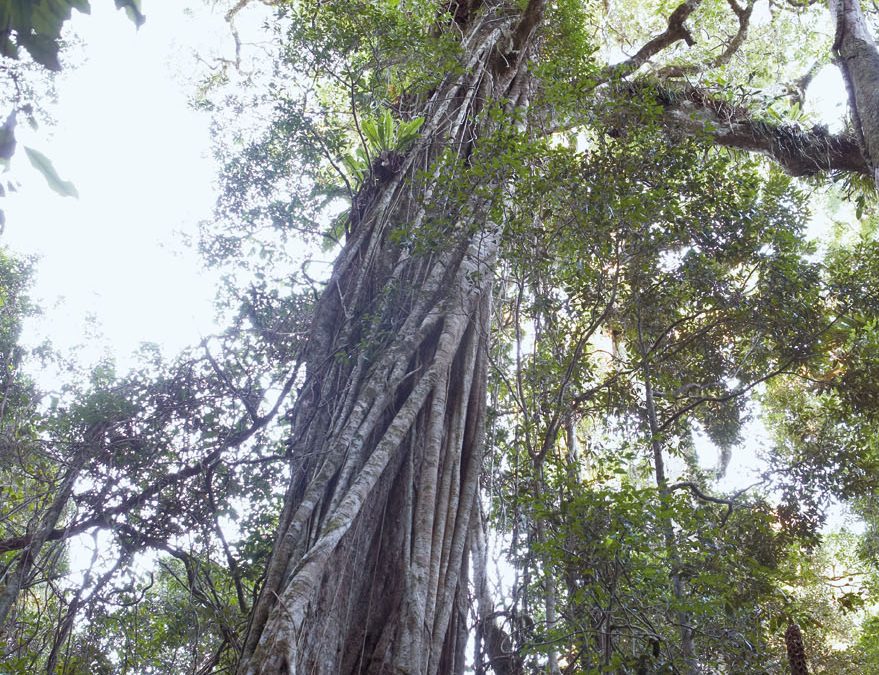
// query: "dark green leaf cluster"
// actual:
[[35, 25]]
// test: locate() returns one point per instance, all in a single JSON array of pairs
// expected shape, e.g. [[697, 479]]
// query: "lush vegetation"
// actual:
[[478, 443]]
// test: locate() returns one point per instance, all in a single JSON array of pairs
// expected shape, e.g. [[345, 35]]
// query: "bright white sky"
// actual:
[[140, 158]]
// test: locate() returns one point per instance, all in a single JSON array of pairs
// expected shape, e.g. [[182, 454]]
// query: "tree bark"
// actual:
[[369, 568], [694, 111], [858, 59], [796, 653]]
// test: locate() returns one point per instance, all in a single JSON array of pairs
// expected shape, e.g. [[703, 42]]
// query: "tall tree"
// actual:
[[387, 431], [369, 567], [458, 111]]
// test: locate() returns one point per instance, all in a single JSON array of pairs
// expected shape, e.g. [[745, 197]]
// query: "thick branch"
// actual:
[[800, 152], [509, 59], [531, 18], [35, 540], [105, 518]]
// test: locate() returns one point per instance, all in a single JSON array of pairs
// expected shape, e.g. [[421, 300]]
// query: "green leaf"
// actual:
[[43, 49], [44, 165], [132, 9], [47, 19], [7, 47], [335, 233], [371, 134], [36, 25], [356, 165], [386, 130], [7, 138], [407, 132]]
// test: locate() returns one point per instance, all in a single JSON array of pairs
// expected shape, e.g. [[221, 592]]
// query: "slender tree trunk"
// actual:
[[677, 583], [18, 578], [494, 646], [549, 598], [369, 568], [683, 618]]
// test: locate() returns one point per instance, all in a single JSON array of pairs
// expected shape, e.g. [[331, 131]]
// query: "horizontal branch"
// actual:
[[729, 503], [105, 518], [690, 485], [800, 152]]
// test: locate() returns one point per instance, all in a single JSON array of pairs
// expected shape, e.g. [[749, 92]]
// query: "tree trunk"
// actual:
[[682, 618], [17, 579], [796, 654], [369, 568], [858, 59]]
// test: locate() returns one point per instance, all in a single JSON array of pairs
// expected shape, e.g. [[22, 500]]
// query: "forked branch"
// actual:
[[743, 14], [674, 32]]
